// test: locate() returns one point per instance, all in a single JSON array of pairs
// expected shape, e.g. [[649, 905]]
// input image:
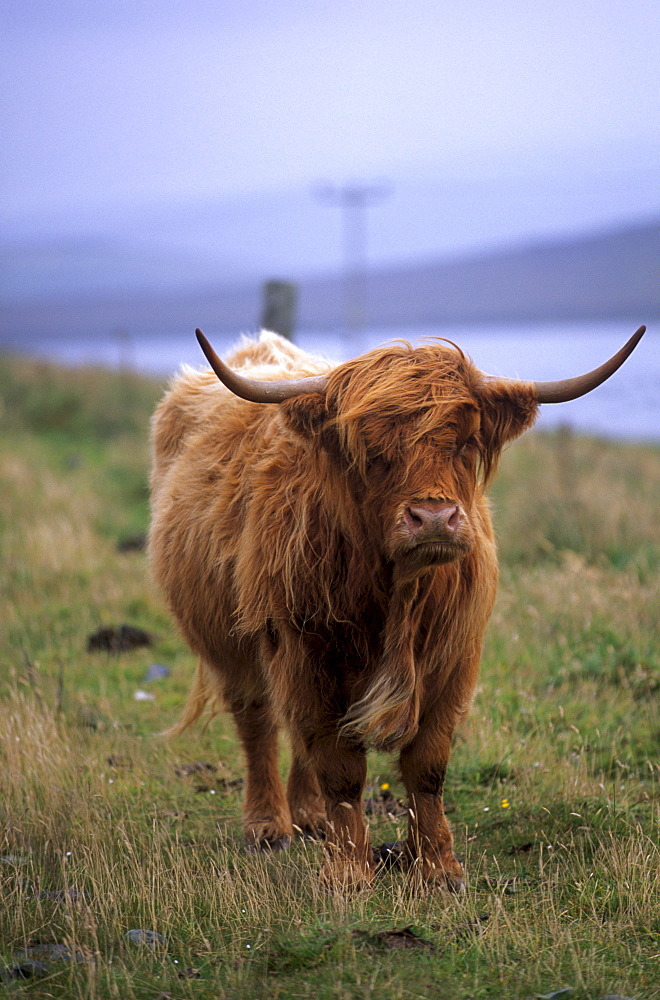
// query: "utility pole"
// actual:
[[353, 200]]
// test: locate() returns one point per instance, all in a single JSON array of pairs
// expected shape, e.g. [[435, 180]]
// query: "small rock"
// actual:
[[132, 543], [555, 994], [27, 970], [118, 762], [144, 937], [195, 767], [391, 855], [144, 696], [156, 672], [118, 640], [189, 973], [50, 951], [36, 961], [404, 938]]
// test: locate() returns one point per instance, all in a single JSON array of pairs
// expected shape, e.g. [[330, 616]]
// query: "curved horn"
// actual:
[[570, 388], [259, 390]]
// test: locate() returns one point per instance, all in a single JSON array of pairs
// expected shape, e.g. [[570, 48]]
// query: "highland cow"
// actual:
[[330, 559]]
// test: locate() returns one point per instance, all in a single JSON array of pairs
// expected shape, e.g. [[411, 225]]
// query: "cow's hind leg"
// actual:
[[267, 819]]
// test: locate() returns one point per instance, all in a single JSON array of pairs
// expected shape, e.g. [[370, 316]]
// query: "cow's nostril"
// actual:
[[415, 521], [454, 519]]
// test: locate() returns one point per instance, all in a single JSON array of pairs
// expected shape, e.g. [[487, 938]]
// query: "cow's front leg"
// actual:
[[430, 844], [340, 767], [305, 799]]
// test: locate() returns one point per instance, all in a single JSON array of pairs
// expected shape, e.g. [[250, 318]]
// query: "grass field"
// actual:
[[104, 828]]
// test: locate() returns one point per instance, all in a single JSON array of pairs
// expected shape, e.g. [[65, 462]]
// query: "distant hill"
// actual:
[[601, 276]]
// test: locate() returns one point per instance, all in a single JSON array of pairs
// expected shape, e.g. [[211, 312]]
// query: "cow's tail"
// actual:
[[204, 691], [387, 715]]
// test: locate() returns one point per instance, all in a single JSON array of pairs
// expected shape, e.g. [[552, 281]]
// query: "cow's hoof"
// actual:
[[310, 827], [312, 836], [443, 872], [455, 884], [266, 846], [309, 824], [346, 879]]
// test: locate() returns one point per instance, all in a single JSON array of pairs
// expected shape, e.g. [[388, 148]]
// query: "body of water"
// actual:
[[626, 407]]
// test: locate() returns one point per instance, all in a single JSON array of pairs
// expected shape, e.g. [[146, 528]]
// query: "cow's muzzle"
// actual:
[[431, 532], [432, 521]]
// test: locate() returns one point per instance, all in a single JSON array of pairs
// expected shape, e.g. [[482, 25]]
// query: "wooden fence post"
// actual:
[[279, 310]]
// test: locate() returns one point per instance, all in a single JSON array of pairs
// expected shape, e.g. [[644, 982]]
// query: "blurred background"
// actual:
[[487, 172]]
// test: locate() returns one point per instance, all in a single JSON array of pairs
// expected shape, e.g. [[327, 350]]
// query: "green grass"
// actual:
[[552, 787]]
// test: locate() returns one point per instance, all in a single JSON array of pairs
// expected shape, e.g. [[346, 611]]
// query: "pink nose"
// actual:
[[432, 520]]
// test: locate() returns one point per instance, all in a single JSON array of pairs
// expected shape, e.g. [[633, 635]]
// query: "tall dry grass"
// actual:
[[552, 788]]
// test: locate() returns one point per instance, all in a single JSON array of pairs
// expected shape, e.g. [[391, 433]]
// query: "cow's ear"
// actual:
[[506, 411], [306, 415]]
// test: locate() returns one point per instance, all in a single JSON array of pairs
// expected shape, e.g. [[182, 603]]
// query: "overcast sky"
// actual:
[[112, 108]]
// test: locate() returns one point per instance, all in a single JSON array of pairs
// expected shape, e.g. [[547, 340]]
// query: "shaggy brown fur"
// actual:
[[304, 551]]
